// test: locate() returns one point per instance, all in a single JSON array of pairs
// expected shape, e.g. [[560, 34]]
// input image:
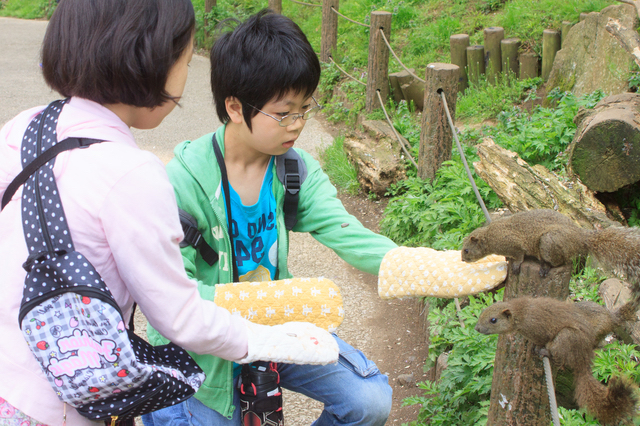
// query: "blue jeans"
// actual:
[[353, 391]]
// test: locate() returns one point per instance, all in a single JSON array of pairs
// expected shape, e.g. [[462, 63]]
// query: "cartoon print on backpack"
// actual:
[[67, 311]]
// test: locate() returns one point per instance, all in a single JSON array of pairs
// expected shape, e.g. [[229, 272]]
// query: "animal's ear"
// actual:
[[474, 239], [507, 313]]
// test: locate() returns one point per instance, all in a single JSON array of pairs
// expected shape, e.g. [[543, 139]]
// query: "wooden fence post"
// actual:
[[550, 46], [475, 62], [329, 40], [492, 52], [509, 49], [208, 7], [436, 137], [458, 44], [519, 389], [275, 5], [528, 65], [378, 65]]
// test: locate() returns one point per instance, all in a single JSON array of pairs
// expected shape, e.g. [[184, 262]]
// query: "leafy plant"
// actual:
[[542, 136], [437, 214], [485, 100], [461, 396]]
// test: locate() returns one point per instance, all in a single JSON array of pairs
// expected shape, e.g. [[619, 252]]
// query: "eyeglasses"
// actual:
[[289, 119]]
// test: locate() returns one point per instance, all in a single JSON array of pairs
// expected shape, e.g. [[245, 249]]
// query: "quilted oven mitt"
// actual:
[[422, 271], [314, 300], [290, 343]]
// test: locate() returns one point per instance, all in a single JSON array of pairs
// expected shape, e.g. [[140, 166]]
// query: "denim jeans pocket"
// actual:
[[355, 361]]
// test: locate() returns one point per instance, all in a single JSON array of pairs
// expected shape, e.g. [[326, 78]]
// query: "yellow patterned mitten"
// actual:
[[422, 271], [314, 300]]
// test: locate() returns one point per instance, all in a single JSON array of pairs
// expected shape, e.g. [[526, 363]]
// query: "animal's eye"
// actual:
[[493, 320], [466, 251]]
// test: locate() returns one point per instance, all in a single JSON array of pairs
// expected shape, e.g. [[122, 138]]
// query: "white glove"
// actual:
[[290, 343]]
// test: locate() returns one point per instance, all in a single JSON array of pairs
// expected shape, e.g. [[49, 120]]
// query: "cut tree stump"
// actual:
[[519, 389], [521, 187], [605, 151]]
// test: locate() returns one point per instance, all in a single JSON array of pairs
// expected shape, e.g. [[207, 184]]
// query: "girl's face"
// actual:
[[148, 118]]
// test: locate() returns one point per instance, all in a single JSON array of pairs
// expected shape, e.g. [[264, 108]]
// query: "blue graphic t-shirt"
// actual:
[[255, 238]]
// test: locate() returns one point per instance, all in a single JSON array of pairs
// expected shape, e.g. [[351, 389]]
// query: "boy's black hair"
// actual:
[[262, 59], [116, 51]]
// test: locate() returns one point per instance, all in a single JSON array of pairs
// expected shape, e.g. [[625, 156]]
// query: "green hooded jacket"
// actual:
[[195, 176]]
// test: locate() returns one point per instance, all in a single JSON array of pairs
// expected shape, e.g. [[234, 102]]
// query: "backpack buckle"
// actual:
[[191, 235], [292, 183]]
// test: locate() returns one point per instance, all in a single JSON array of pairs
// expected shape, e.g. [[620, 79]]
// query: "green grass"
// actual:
[[27, 9], [339, 168]]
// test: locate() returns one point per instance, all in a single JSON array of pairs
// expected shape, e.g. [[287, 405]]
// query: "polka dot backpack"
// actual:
[[68, 316]]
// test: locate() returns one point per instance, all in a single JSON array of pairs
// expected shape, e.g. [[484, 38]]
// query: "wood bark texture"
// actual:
[[629, 39], [329, 38], [378, 64], [519, 390], [605, 151], [436, 137], [521, 187], [492, 52]]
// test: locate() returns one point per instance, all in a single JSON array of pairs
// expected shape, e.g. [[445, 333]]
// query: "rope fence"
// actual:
[[398, 59], [305, 4], [394, 130], [346, 73], [348, 19]]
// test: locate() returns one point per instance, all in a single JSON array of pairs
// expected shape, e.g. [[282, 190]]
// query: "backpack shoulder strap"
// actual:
[[42, 159], [193, 237], [292, 172]]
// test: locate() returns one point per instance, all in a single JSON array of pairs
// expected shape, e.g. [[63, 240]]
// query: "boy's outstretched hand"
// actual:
[[290, 343]]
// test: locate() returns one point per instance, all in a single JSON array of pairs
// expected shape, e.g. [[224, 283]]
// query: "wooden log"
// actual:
[[413, 91], [509, 51], [329, 38], [566, 26], [397, 80], [550, 46], [475, 62], [378, 64], [605, 151], [377, 156], [519, 391], [436, 137], [492, 52], [523, 187], [528, 65], [275, 5], [629, 39], [583, 16], [458, 44]]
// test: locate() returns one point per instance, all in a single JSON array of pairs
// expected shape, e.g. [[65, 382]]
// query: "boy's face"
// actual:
[[268, 137]]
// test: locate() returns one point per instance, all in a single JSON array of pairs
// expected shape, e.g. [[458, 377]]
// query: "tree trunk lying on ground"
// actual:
[[605, 152], [521, 186]]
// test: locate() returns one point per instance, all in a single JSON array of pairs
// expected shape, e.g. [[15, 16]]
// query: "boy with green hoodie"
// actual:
[[263, 75]]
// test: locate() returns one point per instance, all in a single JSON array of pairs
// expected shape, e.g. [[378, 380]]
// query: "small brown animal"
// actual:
[[568, 333], [554, 240]]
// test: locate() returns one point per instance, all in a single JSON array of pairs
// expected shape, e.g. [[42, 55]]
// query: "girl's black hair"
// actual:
[[116, 51], [262, 59]]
